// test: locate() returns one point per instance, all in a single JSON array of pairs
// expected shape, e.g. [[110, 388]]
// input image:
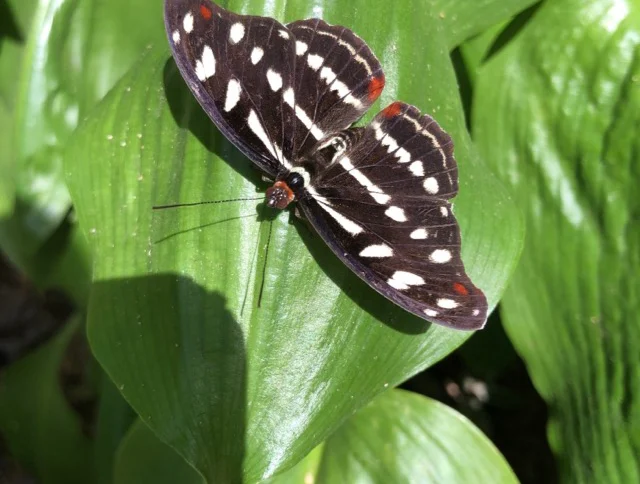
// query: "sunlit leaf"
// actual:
[[559, 121], [15, 19], [399, 437], [462, 19], [73, 54], [404, 437], [174, 315]]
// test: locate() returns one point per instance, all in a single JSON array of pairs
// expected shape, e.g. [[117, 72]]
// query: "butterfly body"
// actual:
[[286, 96]]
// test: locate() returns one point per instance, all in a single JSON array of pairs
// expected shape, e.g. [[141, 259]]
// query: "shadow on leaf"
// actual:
[[178, 356]]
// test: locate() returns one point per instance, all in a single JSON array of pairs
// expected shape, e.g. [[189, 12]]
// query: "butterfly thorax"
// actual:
[[290, 186]]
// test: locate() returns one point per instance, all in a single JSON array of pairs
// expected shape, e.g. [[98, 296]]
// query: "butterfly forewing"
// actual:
[[379, 195], [337, 80], [237, 66], [274, 90]]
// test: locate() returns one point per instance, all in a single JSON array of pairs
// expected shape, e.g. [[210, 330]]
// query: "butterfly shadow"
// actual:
[[355, 288]]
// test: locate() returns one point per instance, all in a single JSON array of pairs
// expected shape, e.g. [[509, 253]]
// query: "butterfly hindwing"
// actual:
[[382, 205]]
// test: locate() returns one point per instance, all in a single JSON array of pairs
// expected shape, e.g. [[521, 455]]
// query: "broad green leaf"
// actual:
[[74, 53], [462, 19], [143, 459], [399, 437], [114, 420], [174, 316], [304, 472], [404, 437], [15, 19], [41, 430], [559, 120]]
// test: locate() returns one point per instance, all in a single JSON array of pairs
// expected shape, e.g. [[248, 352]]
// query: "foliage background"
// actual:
[[544, 114]]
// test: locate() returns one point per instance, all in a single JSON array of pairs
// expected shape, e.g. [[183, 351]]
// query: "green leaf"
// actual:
[[114, 420], [143, 459], [559, 122], [174, 316], [399, 437], [75, 52], [15, 18], [462, 19], [304, 472], [404, 437], [42, 431]]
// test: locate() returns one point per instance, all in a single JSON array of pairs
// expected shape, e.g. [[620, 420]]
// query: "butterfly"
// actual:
[[379, 196]]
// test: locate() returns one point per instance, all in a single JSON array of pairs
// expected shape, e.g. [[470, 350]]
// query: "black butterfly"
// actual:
[[378, 195]]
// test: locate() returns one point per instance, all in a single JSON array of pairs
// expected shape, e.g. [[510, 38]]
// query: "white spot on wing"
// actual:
[[256, 126], [314, 61], [443, 211], [289, 98], [256, 55], [396, 213], [402, 155], [440, 256], [447, 303], [377, 250], [431, 313], [340, 87], [374, 190], [341, 42], [476, 312], [284, 34], [419, 234], [233, 95], [275, 80], [301, 47], [347, 224], [417, 168], [432, 137], [208, 62], [176, 37], [431, 185], [401, 280], [236, 33], [200, 71], [187, 22]]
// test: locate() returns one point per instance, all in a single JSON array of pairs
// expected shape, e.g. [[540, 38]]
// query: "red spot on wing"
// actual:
[[460, 289], [392, 110], [205, 12], [375, 87]]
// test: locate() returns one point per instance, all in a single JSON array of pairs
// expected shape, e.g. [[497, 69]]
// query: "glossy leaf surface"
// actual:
[[174, 315], [559, 121], [399, 437]]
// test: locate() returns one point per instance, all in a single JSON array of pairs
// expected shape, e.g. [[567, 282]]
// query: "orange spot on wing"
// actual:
[[205, 12], [460, 289], [392, 110], [375, 87]]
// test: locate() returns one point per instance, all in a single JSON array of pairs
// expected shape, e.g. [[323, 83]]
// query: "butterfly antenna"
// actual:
[[264, 267], [193, 204]]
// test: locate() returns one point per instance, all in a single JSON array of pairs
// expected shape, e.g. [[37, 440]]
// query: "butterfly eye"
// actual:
[[295, 181]]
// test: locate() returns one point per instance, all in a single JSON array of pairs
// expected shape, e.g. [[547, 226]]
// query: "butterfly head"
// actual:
[[283, 192]]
